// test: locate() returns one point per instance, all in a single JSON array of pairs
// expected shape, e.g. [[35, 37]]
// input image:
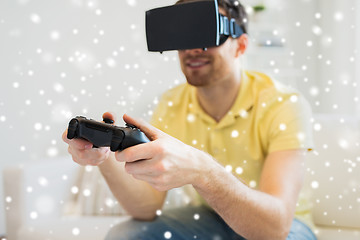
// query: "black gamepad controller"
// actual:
[[104, 134]]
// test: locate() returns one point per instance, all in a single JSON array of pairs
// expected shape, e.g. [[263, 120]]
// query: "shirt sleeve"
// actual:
[[290, 125]]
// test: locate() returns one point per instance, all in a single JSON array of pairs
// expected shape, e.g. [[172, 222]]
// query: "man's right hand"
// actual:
[[82, 151]]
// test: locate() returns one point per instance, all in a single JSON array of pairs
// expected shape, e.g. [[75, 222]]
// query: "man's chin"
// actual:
[[196, 83]]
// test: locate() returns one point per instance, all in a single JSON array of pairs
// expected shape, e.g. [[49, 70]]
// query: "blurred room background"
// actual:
[[62, 58]]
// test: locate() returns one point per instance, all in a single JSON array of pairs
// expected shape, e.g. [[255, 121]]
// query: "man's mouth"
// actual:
[[196, 64]]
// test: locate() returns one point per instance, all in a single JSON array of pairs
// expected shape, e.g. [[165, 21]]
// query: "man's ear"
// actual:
[[242, 43]]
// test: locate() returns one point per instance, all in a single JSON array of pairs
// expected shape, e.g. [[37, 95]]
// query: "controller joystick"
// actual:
[[108, 120]]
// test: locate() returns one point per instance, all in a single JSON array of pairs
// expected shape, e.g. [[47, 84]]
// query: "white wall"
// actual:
[[62, 58], [295, 63], [339, 25], [39, 93], [319, 56], [357, 57]]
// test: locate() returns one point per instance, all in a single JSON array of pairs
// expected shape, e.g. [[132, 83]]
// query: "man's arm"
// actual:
[[266, 213], [138, 198]]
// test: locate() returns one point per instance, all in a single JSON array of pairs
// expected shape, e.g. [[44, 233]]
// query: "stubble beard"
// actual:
[[197, 81]]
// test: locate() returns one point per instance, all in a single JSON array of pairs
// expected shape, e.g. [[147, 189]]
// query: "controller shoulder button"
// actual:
[[131, 126]]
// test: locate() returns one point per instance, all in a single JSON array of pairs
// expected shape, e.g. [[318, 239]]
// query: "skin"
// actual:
[[139, 176]]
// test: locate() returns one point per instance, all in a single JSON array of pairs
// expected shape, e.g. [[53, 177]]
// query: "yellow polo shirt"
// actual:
[[265, 117]]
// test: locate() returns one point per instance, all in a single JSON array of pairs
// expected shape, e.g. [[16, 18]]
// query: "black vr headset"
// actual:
[[188, 26]]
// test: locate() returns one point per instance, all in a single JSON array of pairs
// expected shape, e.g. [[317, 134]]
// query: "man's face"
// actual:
[[202, 68], [205, 68]]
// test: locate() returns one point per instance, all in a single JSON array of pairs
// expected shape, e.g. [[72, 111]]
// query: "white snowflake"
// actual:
[[98, 12], [252, 184], [167, 235], [74, 189], [34, 215], [190, 117], [239, 170], [35, 18], [294, 98], [315, 184], [339, 16], [58, 87], [54, 35], [16, 85], [109, 202], [234, 134], [52, 152], [282, 126], [317, 127], [43, 181], [75, 231], [317, 30], [228, 168], [111, 62], [86, 192], [38, 126], [132, 3], [8, 199]]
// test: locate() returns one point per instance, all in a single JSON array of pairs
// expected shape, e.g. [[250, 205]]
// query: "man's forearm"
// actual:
[[252, 214], [138, 198]]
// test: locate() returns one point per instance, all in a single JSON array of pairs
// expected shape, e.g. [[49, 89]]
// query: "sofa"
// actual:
[[38, 195]]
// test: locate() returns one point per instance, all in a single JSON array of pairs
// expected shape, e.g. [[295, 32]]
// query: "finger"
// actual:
[[143, 167], [151, 132], [64, 137], [93, 156], [109, 115], [81, 143], [137, 152], [77, 143]]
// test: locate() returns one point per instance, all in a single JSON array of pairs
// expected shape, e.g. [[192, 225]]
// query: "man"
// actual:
[[239, 138]]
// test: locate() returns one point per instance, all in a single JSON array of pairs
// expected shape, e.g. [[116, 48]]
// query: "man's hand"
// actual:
[[165, 162], [82, 151]]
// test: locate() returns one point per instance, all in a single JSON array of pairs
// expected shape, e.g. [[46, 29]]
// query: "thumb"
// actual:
[[109, 116], [150, 131]]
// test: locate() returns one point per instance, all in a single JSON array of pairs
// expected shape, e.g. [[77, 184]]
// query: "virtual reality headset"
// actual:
[[188, 26]]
